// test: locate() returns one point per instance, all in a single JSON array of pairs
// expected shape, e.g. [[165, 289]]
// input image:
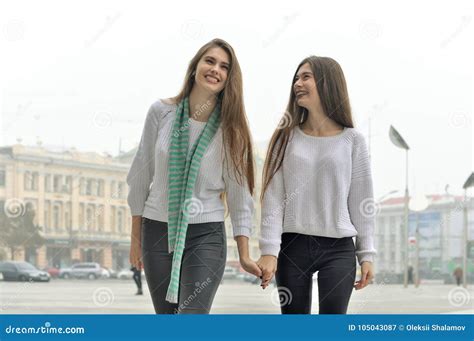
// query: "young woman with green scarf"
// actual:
[[194, 157]]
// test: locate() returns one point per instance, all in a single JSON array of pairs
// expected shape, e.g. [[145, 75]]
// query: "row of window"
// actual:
[[58, 216], [63, 184]]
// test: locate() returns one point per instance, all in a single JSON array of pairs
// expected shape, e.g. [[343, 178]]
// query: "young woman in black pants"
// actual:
[[317, 195]]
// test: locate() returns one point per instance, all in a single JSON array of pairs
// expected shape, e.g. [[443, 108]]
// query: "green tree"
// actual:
[[19, 230]]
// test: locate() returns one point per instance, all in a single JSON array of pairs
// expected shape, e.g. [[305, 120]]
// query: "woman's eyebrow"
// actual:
[[304, 73], [214, 59]]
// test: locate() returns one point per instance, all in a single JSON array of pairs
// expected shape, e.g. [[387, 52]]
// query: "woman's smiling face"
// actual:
[[212, 70], [304, 87]]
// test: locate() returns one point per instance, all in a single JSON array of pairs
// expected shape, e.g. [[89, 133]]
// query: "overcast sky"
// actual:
[[85, 74]]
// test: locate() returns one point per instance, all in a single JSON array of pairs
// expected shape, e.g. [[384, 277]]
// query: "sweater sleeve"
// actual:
[[361, 201], [140, 175], [273, 208], [240, 203]]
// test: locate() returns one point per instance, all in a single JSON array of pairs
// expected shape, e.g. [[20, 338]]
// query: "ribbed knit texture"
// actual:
[[148, 176], [324, 188]]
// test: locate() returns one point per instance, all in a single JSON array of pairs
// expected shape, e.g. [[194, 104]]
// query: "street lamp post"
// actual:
[[418, 203], [398, 141], [469, 183]]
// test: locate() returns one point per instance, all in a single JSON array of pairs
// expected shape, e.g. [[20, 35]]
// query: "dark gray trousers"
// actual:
[[202, 266]]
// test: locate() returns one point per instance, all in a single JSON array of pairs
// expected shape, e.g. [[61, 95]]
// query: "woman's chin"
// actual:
[[211, 89]]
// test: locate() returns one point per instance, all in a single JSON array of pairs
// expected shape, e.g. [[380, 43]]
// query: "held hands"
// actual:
[[367, 274], [268, 265], [250, 266]]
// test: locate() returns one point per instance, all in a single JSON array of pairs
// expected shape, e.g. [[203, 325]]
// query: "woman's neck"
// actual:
[[319, 124], [201, 104]]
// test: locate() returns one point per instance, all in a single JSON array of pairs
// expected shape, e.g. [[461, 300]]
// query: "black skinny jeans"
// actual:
[[300, 257], [202, 266]]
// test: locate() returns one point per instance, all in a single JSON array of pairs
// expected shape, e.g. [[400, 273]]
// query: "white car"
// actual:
[[125, 274]]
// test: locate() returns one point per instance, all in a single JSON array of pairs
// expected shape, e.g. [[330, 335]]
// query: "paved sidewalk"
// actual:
[[233, 297]]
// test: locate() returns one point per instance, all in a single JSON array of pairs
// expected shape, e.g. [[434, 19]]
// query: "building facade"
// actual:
[[440, 227], [80, 202]]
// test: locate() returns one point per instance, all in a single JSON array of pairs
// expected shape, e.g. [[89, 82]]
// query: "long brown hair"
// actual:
[[332, 90], [234, 124]]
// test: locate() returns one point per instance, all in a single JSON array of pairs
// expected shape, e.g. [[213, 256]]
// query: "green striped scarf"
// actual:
[[183, 167]]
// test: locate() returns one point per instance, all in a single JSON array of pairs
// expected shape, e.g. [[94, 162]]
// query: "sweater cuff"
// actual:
[[269, 249], [242, 231], [365, 257], [134, 211]]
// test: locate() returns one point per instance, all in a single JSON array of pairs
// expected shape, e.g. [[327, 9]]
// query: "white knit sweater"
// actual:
[[324, 188], [150, 167]]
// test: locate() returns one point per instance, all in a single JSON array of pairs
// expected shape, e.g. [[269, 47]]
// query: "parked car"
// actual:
[[230, 273], [53, 272], [22, 271], [112, 272], [125, 274], [84, 270]]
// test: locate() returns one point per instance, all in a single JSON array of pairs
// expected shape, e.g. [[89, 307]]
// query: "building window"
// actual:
[[68, 216], [112, 219], [94, 187], [113, 190], [89, 187], [120, 221], [56, 217], [82, 186], [68, 184], [101, 218], [27, 181], [47, 212], [34, 181], [57, 184], [100, 188], [47, 183], [121, 190], [81, 217], [2, 178], [89, 218]]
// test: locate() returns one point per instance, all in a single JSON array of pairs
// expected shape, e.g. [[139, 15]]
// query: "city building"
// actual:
[[80, 203], [79, 200], [440, 227]]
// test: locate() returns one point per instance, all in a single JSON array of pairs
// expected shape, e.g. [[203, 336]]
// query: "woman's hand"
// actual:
[[250, 266], [268, 265], [367, 274], [136, 244], [245, 261]]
